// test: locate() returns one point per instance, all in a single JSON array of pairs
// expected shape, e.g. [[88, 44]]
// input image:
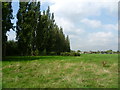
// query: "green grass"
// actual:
[[85, 71]]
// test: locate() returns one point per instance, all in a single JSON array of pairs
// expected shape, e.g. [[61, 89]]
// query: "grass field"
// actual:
[[85, 71]]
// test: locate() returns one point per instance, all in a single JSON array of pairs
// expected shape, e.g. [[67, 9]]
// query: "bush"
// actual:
[[36, 52], [75, 54], [65, 54], [11, 48], [52, 53], [70, 54], [62, 53], [44, 52]]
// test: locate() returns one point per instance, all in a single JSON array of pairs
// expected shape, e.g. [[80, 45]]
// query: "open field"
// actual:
[[85, 71]]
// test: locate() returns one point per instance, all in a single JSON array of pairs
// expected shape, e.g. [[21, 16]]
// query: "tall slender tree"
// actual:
[[22, 28], [38, 31], [67, 44], [6, 23], [28, 16], [51, 37]]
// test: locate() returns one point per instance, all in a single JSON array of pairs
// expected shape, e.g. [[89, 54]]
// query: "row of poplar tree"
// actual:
[[36, 30]]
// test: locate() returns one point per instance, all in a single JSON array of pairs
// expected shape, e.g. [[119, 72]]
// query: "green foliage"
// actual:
[[6, 23], [27, 16], [36, 31], [65, 54], [35, 53], [70, 54], [78, 51], [72, 51], [76, 54], [109, 51], [11, 48], [52, 53], [44, 52]]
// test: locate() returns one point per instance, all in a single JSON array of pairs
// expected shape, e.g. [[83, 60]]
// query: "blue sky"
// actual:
[[90, 24]]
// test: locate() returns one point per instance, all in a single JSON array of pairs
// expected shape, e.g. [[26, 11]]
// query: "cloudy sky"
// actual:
[[90, 24]]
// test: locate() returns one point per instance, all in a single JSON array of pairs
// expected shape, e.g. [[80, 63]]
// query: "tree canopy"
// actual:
[[36, 30], [6, 23]]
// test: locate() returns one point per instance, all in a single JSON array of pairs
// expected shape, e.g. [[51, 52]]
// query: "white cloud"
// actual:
[[70, 13], [95, 41], [99, 24], [103, 41], [92, 23], [111, 26], [100, 38], [79, 31], [68, 26], [11, 35], [82, 7]]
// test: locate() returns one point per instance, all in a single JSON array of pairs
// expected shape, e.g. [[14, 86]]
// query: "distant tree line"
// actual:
[[36, 31], [99, 52]]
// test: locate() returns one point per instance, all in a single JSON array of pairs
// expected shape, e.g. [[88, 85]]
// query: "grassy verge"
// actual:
[[86, 71]]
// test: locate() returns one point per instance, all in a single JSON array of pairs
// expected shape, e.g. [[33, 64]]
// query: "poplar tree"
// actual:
[[38, 31], [6, 23], [67, 44], [27, 16], [23, 28]]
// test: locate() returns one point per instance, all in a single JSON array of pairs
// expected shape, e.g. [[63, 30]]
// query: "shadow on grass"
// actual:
[[20, 58], [29, 58]]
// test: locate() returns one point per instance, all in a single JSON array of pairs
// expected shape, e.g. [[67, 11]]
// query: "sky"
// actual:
[[90, 24]]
